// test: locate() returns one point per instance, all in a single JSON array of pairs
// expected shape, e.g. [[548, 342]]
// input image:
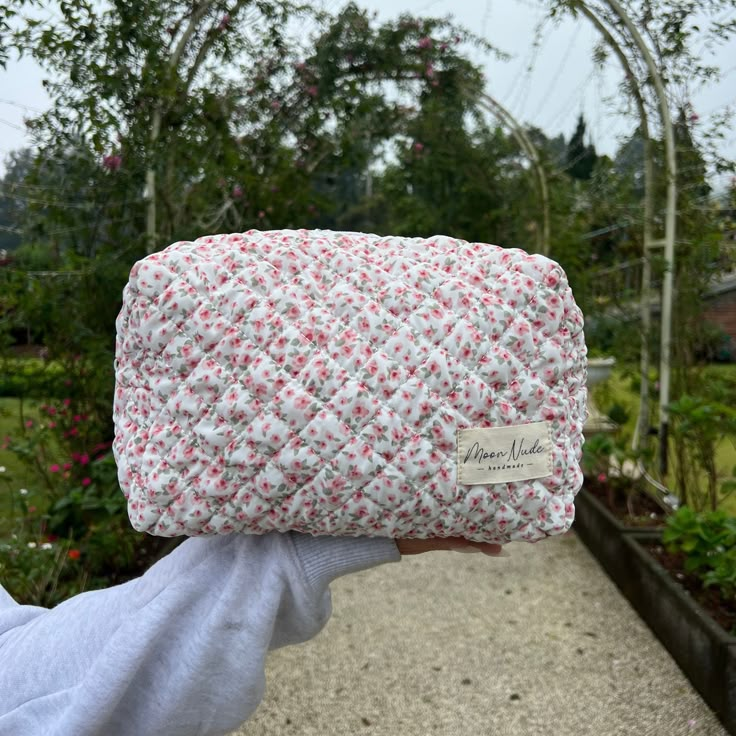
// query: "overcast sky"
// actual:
[[562, 83]]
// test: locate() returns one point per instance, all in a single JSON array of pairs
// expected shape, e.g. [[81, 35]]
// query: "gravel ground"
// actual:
[[540, 642]]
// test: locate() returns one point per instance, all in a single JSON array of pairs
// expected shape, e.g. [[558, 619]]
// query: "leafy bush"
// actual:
[[597, 452], [604, 457], [699, 424], [32, 379], [75, 534], [708, 541]]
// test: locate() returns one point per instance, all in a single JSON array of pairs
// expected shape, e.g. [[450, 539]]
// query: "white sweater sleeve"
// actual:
[[180, 650]]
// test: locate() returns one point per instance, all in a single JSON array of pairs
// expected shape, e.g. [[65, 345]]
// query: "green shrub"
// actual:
[[699, 424], [33, 379], [75, 534], [708, 541]]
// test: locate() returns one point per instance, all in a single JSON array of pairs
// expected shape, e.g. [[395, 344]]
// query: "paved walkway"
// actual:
[[537, 643]]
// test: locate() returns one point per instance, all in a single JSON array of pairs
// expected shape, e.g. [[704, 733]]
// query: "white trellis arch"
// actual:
[[606, 25], [493, 106]]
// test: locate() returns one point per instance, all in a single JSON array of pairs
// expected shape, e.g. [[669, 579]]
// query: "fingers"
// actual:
[[450, 544]]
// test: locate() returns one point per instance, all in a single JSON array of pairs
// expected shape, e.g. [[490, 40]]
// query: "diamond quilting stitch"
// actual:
[[347, 344]]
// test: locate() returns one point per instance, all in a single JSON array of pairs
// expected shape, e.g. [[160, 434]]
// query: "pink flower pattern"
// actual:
[[315, 380]]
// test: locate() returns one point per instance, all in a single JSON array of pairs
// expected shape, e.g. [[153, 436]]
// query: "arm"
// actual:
[[180, 650]]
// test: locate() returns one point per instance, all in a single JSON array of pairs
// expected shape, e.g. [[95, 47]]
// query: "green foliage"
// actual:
[[699, 424], [580, 156], [618, 413], [31, 378], [708, 541], [597, 452], [17, 165], [74, 535]]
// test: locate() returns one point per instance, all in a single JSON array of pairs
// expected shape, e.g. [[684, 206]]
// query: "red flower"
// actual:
[[74, 554], [112, 163]]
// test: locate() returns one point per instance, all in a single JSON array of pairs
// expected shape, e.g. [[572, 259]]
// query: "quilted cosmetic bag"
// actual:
[[348, 384]]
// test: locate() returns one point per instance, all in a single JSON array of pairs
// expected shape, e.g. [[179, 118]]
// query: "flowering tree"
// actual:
[[171, 120]]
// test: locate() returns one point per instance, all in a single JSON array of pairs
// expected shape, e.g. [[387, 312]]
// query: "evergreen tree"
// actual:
[[17, 164], [580, 159]]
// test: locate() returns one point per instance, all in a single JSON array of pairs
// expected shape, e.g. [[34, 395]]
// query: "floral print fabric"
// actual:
[[315, 381]]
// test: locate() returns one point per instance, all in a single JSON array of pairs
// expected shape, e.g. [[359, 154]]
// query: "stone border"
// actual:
[[704, 652]]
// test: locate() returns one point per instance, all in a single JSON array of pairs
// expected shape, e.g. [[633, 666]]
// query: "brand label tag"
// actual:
[[504, 454]]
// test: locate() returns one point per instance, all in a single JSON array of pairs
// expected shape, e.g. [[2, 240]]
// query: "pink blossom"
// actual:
[[54, 468], [237, 192], [224, 22], [29, 423], [419, 147], [312, 90], [429, 71], [112, 162], [602, 477], [275, 105], [425, 43]]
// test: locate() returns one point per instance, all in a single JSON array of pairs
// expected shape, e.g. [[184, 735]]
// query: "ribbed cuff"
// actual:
[[326, 558]]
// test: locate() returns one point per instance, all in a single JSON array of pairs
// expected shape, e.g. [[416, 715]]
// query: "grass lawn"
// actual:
[[618, 390]]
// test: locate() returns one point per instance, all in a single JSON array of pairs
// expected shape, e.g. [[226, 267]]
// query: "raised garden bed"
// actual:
[[721, 609], [635, 510], [634, 558]]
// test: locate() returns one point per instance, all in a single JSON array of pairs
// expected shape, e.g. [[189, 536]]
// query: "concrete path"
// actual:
[[539, 643]]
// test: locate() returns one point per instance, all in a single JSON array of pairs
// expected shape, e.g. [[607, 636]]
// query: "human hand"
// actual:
[[452, 544]]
